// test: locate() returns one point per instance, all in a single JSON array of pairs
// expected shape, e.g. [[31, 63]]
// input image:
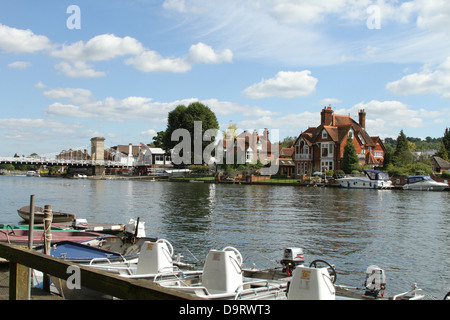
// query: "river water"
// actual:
[[406, 233]]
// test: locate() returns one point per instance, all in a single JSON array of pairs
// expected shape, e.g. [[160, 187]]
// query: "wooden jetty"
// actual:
[[21, 259]]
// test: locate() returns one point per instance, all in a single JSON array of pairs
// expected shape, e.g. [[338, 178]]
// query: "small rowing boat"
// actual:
[[24, 213]]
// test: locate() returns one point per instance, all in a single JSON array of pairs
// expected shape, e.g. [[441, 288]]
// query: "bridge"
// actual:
[[61, 162], [97, 161]]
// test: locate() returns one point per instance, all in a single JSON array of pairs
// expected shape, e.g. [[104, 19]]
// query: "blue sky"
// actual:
[[116, 68]]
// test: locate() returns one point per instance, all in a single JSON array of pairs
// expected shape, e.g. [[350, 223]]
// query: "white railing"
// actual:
[[303, 156], [62, 162]]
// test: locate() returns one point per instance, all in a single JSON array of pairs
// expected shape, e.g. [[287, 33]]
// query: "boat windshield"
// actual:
[[377, 175]]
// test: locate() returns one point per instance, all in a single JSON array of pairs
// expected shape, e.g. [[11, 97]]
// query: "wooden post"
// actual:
[[19, 286], [30, 242], [48, 216]]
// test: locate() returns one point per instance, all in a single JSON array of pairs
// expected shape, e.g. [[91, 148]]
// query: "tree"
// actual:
[[443, 153], [350, 160], [446, 140], [183, 117], [402, 156], [158, 140]]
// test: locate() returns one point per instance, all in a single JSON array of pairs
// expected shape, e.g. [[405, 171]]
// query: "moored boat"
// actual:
[[20, 236], [424, 183], [24, 213], [370, 179]]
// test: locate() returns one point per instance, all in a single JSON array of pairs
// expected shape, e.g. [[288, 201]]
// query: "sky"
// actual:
[[73, 70]]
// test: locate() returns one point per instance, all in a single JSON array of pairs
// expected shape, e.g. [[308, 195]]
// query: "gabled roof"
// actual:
[[441, 163]]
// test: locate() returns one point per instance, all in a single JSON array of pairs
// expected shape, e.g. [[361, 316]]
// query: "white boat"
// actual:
[[222, 278], [370, 179], [318, 281], [424, 183], [33, 173]]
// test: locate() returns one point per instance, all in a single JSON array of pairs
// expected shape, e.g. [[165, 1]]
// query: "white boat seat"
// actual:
[[222, 272], [155, 257]]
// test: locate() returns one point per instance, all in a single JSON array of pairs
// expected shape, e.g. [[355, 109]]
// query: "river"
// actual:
[[406, 233]]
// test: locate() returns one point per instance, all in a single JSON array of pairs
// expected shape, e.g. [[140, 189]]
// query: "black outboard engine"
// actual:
[[292, 257], [375, 282]]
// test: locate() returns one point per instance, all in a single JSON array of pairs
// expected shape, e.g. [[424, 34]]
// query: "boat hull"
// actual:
[[355, 183], [57, 217], [21, 236]]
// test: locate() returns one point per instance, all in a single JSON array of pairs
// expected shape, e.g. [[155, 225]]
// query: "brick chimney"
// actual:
[[326, 116], [362, 118]]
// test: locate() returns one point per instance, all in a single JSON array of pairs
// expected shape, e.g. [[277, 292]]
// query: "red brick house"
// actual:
[[322, 148]]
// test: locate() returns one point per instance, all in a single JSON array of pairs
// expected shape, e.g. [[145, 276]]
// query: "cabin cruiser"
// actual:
[[424, 183], [370, 179]]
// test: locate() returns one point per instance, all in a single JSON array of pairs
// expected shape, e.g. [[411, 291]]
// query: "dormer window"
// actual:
[[324, 134]]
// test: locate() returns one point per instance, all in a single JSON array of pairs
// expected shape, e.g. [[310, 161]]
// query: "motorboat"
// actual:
[[369, 179], [20, 236], [39, 215], [424, 183], [153, 260], [222, 278], [33, 173], [317, 281]]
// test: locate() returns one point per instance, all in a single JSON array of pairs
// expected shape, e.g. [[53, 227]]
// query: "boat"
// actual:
[[24, 213], [33, 173], [424, 183], [318, 281], [149, 259], [222, 278], [370, 179], [20, 236]]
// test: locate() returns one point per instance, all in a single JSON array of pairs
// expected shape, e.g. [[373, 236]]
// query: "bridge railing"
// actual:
[[43, 160]]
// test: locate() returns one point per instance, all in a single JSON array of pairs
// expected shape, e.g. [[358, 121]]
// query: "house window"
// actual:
[[324, 134], [363, 151], [327, 166], [327, 149], [378, 154]]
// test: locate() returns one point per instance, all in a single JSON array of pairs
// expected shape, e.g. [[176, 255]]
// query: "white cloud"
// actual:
[[151, 61], [202, 53], [75, 95], [40, 85], [226, 108], [391, 114], [19, 65], [22, 41], [99, 48], [78, 69], [130, 108], [285, 84], [425, 82], [329, 101], [149, 133]]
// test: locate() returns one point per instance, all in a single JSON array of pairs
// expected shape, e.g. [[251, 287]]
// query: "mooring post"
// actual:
[[48, 216], [30, 242]]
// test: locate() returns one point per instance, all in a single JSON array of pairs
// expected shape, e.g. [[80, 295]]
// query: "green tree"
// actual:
[[183, 117], [446, 140], [350, 160], [402, 156], [158, 140], [442, 152]]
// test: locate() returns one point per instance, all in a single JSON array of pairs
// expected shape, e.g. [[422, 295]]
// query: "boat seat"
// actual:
[[311, 284], [154, 257], [222, 272]]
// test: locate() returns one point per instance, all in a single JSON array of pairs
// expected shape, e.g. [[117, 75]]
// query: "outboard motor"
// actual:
[[375, 282], [292, 258], [135, 228]]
